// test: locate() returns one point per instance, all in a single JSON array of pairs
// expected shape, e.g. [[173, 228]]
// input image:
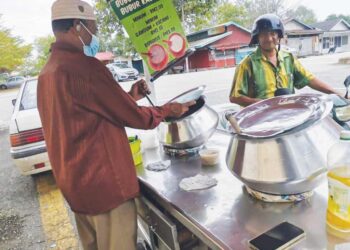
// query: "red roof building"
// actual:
[[105, 57], [217, 47]]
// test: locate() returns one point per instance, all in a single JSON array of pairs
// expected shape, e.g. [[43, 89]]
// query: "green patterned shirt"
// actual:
[[256, 77]]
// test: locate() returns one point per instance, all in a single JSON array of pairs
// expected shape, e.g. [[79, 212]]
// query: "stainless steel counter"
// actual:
[[225, 216]]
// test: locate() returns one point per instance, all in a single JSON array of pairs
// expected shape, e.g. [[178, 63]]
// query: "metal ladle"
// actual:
[[149, 99], [230, 117]]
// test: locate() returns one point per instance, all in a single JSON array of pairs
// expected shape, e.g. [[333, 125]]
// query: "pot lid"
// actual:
[[189, 95], [274, 116]]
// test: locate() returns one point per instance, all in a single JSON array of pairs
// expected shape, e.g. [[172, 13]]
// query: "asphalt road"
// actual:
[[20, 224], [23, 223]]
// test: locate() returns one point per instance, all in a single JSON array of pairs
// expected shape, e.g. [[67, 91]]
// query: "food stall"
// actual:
[[271, 168], [226, 216]]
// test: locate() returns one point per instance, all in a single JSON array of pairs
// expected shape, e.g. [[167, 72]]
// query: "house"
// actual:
[[335, 36], [217, 47], [301, 37]]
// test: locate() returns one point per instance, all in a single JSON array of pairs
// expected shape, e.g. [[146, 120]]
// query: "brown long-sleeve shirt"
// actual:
[[83, 112]]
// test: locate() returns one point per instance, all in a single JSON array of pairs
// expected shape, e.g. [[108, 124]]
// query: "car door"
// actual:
[[19, 81], [11, 82]]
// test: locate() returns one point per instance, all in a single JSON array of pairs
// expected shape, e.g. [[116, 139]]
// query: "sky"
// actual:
[[30, 19]]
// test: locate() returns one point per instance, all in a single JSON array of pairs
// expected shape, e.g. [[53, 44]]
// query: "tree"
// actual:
[[334, 16], [303, 14], [12, 51], [33, 64], [111, 33], [42, 46], [195, 14], [256, 8], [226, 11]]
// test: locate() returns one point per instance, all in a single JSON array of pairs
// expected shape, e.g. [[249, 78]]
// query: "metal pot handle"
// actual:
[[317, 173], [231, 118]]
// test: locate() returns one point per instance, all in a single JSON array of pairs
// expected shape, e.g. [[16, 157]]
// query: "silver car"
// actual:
[[123, 72], [12, 82]]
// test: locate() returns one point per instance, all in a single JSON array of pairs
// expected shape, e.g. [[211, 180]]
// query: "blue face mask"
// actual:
[[92, 48]]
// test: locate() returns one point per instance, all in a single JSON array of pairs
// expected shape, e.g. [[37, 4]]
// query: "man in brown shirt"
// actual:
[[84, 112]]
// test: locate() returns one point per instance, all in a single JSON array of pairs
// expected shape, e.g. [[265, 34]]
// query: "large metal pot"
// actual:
[[191, 130], [288, 163]]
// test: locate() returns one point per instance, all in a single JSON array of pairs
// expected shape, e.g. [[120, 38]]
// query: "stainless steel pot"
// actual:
[[191, 130], [289, 163]]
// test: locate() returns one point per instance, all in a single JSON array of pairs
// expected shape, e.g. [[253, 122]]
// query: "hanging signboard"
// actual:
[[154, 28]]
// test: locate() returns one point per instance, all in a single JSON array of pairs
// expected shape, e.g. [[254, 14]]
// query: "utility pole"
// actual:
[[183, 25], [182, 12]]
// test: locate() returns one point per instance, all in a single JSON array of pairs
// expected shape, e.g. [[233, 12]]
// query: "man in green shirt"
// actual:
[[268, 71]]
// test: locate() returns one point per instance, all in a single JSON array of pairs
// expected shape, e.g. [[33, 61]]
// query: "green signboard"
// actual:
[[154, 28]]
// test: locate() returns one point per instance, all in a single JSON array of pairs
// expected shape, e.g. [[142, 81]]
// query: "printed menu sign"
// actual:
[[154, 28]]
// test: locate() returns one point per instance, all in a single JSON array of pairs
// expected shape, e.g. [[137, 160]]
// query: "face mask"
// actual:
[[92, 48]]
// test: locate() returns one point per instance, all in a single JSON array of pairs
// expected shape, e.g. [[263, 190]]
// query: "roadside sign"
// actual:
[[155, 30]]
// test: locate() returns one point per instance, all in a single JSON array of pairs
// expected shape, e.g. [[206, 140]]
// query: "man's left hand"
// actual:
[[139, 90]]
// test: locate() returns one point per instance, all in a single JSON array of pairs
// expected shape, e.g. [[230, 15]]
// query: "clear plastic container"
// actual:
[[209, 157], [338, 211]]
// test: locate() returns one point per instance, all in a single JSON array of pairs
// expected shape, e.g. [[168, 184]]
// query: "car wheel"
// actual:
[[3, 87]]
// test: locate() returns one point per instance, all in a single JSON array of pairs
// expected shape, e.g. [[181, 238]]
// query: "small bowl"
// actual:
[[209, 157]]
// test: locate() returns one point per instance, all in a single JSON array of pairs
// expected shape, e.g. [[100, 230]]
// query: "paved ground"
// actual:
[[33, 214], [20, 223]]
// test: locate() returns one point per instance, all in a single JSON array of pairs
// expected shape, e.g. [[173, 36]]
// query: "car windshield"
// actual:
[[28, 100]]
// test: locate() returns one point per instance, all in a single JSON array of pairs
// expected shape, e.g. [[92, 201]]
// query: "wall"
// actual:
[[238, 36], [200, 59], [303, 45], [331, 35], [340, 26], [208, 59]]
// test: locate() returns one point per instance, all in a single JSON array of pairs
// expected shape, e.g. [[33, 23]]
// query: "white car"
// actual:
[[28, 148], [123, 72]]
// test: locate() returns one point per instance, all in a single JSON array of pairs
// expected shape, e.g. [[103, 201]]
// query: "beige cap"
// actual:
[[72, 9]]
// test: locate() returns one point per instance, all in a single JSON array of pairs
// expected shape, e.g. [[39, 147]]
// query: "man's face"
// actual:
[[84, 34], [268, 40]]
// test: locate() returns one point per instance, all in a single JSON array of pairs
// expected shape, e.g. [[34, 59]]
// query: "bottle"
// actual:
[[338, 211]]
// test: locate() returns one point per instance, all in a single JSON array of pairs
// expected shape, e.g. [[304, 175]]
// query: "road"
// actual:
[[33, 214]]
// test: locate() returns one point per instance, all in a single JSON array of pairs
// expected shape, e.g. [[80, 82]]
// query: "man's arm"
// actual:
[[243, 100], [107, 99], [239, 93], [303, 77], [323, 87]]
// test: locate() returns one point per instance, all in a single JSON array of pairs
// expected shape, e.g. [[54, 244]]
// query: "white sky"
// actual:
[[30, 19]]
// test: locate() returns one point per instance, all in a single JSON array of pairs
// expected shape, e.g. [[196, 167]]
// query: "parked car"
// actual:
[[28, 148], [4, 77], [123, 72], [12, 82]]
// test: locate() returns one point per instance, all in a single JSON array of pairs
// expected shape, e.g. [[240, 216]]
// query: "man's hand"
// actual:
[[139, 90], [178, 109]]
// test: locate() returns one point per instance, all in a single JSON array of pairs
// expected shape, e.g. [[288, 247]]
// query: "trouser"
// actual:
[[113, 230]]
